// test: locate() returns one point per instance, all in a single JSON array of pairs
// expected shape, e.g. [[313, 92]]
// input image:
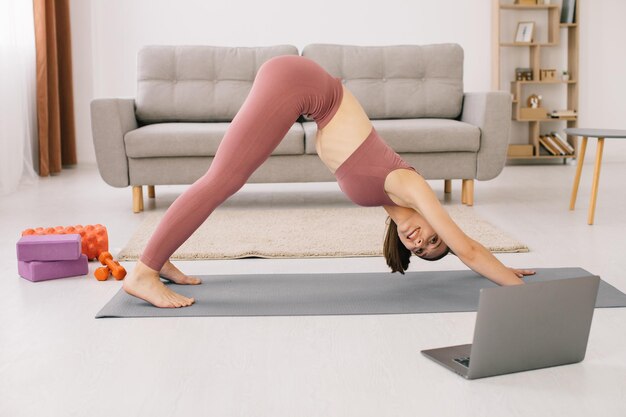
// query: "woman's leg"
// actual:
[[284, 88], [270, 110]]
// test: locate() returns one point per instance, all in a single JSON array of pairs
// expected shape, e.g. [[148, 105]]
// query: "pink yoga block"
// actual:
[[49, 247], [43, 270]]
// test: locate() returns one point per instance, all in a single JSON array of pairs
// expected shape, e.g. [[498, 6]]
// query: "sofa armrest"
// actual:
[[491, 112], [111, 119]]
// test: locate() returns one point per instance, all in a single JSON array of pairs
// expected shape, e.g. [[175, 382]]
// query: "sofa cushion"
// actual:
[[195, 139], [402, 81], [416, 135], [197, 83]]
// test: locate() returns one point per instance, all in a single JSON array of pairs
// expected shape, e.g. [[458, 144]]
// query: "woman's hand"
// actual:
[[521, 272]]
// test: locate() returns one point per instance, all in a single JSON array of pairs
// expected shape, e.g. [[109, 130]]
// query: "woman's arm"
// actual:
[[409, 189]]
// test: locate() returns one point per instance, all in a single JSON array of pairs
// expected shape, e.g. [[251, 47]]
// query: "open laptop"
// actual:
[[524, 327]]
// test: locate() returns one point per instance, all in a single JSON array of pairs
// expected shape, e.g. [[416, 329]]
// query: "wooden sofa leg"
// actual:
[[464, 191], [469, 193], [150, 191], [137, 198], [447, 186]]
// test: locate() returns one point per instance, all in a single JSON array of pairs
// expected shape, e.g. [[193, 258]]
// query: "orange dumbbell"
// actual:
[[102, 273], [117, 270]]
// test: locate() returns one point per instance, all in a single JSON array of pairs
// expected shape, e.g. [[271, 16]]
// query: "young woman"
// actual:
[[367, 170]]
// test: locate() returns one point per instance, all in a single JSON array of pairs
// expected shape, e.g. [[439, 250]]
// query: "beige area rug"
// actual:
[[231, 233]]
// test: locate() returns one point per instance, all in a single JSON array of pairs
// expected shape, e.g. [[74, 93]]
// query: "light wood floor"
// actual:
[[57, 360]]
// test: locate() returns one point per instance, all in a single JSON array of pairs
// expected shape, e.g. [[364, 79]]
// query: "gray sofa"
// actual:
[[187, 95]]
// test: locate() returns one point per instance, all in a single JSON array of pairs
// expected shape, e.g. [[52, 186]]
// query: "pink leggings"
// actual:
[[285, 87]]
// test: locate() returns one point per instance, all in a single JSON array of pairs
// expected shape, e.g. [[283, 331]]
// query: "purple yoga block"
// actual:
[[49, 247], [43, 270]]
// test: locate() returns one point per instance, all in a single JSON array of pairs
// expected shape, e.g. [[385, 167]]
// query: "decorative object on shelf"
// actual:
[[524, 74], [567, 11], [524, 32], [533, 110], [526, 2], [534, 101], [565, 76], [547, 74]]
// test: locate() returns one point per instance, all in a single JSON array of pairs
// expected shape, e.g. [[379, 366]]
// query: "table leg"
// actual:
[[596, 180], [579, 170]]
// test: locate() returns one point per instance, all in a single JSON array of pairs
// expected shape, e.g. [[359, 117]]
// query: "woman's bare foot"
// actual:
[[144, 282], [170, 272]]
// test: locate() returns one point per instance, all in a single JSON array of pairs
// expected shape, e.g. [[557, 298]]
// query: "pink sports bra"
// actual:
[[362, 176]]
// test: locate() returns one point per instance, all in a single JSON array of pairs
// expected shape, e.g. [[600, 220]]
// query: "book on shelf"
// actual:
[[556, 114], [543, 141], [567, 11], [555, 145], [569, 149]]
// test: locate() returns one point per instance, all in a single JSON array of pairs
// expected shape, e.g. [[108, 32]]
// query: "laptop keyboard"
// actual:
[[463, 361]]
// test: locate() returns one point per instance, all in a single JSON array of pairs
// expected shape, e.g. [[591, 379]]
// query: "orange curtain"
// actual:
[[55, 98]]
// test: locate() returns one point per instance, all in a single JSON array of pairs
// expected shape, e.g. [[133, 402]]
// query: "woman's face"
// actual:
[[419, 237]]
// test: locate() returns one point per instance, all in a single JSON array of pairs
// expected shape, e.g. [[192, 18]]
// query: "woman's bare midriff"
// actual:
[[348, 128]]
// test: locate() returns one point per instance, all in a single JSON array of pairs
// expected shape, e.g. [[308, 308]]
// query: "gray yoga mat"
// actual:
[[335, 294]]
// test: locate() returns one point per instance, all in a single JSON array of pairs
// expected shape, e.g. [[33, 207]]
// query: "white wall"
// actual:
[[108, 33]]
